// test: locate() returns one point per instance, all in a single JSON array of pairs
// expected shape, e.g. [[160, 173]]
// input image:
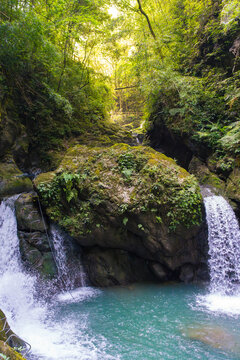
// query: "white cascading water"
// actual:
[[224, 245], [52, 335], [224, 256], [59, 250], [67, 278]]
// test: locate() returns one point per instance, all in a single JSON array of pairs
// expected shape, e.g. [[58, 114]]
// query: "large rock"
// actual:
[[32, 232], [40, 261], [12, 180], [129, 198], [28, 214]]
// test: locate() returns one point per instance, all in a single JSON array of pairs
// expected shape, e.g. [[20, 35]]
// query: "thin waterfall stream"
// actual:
[[60, 255]]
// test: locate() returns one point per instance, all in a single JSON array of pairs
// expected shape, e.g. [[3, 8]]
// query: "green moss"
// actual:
[[204, 175], [9, 352], [11, 179], [119, 180], [233, 185], [48, 267]]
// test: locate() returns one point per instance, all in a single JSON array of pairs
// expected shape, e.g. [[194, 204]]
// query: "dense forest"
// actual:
[[66, 65], [120, 137]]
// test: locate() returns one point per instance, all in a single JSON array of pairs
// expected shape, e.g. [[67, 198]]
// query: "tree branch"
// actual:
[[148, 21], [126, 87]]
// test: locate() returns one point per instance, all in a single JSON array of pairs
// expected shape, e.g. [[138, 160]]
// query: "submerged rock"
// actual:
[[214, 336], [129, 198]]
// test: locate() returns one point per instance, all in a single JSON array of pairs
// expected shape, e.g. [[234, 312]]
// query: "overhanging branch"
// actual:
[[148, 21]]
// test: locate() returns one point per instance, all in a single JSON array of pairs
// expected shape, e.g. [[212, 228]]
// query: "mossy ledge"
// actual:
[[10, 343], [129, 198]]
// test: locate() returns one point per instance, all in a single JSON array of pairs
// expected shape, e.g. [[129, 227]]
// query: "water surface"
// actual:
[[149, 322]]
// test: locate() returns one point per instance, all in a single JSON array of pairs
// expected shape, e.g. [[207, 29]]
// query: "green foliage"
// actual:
[[189, 75], [159, 219], [185, 205], [46, 74], [140, 227], [197, 107], [128, 164], [63, 188], [231, 140], [230, 13]]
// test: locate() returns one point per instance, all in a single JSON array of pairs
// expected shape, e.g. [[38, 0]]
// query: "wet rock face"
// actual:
[[162, 139], [233, 187], [132, 199], [34, 245], [28, 213], [160, 272], [107, 267]]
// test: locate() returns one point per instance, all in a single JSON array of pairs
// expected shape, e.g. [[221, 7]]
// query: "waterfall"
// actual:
[[224, 246], [16, 286], [67, 277], [36, 319]]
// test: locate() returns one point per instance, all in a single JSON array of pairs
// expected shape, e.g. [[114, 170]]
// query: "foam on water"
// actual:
[[77, 295], [219, 303], [51, 335]]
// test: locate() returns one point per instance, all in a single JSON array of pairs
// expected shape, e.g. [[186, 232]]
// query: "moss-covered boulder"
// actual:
[[129, 198], [12, 180]]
